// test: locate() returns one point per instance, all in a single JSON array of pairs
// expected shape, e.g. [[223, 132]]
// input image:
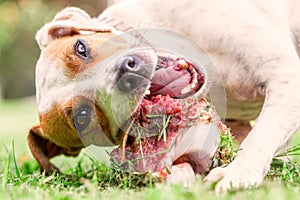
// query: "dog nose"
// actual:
[[130, 64], [132, 74]]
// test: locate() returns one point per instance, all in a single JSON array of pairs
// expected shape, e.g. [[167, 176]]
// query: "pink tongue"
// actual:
[[167, 81]]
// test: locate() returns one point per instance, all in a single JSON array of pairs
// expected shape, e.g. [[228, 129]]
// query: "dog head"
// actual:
[[84, 97]]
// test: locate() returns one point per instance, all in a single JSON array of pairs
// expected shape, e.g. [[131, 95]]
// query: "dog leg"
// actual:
[[274, 127], [277, 67]]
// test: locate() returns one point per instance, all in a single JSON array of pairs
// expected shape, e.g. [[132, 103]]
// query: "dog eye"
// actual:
[[81, 49], [82, 118]]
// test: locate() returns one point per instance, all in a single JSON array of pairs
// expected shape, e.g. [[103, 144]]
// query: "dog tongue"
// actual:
[[173, 76], [167, 81]]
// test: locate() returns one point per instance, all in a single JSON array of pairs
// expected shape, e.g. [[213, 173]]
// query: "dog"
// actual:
[[254, 44]]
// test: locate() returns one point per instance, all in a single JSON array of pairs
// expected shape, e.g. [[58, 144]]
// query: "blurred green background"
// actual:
[[19, 21]]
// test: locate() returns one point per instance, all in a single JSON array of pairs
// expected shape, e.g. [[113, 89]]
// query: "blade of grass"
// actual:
[[15, 162], [163, 132], [292, 151]]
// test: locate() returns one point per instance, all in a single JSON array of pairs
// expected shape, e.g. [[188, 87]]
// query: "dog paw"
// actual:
[[234, 177], [50, 169], [182, 173]]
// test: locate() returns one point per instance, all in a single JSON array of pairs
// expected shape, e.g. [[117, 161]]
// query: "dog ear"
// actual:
[[42, 149], [68, 22]]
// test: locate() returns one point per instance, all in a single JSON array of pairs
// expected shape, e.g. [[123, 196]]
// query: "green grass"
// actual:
[[88, 178]]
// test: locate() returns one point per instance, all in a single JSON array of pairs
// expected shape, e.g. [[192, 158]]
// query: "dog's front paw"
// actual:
[[234, 176]]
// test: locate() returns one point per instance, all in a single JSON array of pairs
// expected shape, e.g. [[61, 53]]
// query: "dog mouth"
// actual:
[[175, 77], [169, 107]]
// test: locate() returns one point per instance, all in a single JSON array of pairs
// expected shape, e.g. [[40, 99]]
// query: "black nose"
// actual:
[[132, 73], [130, 64]]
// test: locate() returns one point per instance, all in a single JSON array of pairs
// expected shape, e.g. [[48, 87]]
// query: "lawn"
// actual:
[[88, 178]]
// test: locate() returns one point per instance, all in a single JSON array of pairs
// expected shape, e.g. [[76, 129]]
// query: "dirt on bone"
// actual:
[[149, 142]]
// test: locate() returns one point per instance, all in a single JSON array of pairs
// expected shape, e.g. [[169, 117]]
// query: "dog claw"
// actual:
[[50, 169]]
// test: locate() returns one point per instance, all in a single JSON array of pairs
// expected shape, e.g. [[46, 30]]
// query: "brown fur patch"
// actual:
[[58, 125]]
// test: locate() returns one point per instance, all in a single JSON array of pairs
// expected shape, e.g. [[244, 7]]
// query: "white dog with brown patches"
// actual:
[[255, 44]]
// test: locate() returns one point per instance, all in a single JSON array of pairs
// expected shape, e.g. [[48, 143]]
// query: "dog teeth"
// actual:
[[183, 64], [193, 83], [186, 90], [147, 92]]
